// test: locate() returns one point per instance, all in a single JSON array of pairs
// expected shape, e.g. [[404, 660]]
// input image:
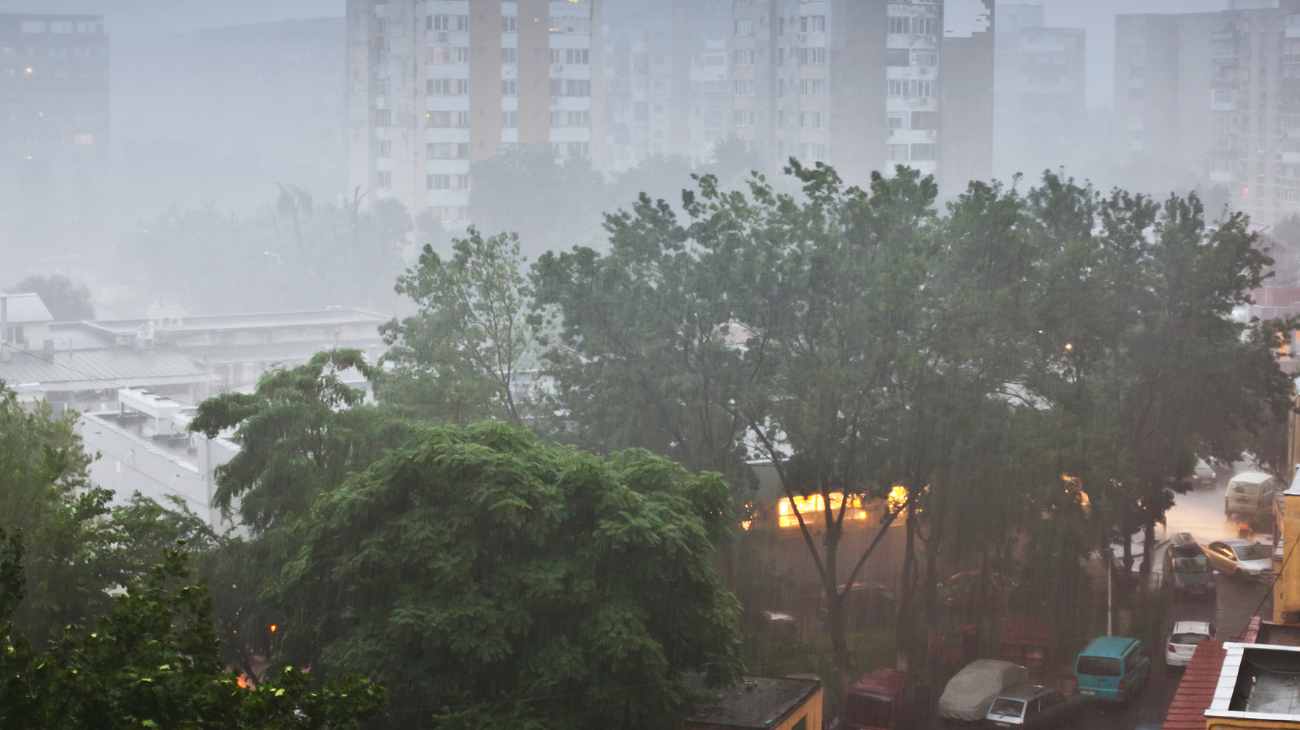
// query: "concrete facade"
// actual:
[[434, 86]]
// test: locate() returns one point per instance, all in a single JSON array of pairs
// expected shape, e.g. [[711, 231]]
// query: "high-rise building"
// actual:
[[54, 98], [1212, 100], [664, 64], [860, 84], [1040, 92], [1163, 99], [435, 85]]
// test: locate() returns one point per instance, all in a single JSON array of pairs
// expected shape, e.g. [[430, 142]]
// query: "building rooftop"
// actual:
[[1196, 689], [757, 702], [1259, 682], [98, 369], [330, 316], [25, 309]]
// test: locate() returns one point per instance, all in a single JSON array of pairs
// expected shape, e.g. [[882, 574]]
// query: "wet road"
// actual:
[[1200, 513]]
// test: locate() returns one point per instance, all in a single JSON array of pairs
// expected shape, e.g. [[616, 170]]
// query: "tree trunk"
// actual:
[[906, 624], [840, 659], [1148, 549]]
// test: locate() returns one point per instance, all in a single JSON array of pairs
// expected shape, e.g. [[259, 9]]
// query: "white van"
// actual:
[[1251, 495]]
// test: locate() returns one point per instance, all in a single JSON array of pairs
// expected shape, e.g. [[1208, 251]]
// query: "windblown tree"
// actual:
[[458, 358], [491, 580], [151, 661]]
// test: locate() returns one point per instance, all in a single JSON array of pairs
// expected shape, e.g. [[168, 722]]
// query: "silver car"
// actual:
[[1028, 706], [1240, 557]]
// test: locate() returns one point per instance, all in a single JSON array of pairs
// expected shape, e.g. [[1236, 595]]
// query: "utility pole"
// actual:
[[1110, 612]]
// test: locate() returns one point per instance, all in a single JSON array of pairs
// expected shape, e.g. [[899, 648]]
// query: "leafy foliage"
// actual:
[[486, 577], [151, 662], [458, 358]]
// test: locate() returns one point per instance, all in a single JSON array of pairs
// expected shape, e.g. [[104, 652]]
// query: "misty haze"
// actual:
[[649, 364]]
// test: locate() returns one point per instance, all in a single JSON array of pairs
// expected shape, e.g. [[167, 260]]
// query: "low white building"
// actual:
[[144, 446]]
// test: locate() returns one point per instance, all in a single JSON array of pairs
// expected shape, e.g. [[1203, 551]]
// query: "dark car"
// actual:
[[1032, 707], [1187, 570]]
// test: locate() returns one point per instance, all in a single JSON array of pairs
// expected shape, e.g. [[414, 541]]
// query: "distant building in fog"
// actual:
[[664, 88], [54, 99], [435, 85], [1163, 96], [1213, 100], [1040, 91], [861, 84]]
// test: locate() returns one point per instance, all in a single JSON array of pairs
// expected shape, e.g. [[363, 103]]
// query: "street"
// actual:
[[1200, 513]]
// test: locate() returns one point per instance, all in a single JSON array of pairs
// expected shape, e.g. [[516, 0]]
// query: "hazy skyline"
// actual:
[[128, 19]]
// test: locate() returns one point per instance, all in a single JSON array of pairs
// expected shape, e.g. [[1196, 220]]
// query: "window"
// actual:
[[32, 26], [510, 119], [911, 88], [446, 23], [925, 152], [810, 120], [812, 56], [510, 87], [447, 150], [445, 55], [899, 25], [744, 26], [577, 56], [446, 120], [385, 149], [447, 87], [812, 24], [801, 725], [925, 120], [385, 179], [438, 182], [896, 121], [1098, 666], [812, 87], [509, 55], [743, 56], [898, 153], [383, 117], [898, 57], [509, 24], [743, 87]]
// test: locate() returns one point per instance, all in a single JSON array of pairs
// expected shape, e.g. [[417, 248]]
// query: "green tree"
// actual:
[[460, 355], [485, 576], [67, 300], [151, 662], [303, 430]]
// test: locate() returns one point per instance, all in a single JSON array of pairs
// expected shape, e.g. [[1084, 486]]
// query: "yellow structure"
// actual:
[[763, 703], [1286, 591]]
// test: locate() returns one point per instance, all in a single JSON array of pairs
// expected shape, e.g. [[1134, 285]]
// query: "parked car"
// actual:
[[1112, 669], [1187, 570], [1030, 707], [877, 702], [1250, 495], [1240, 557], [1183, 640], [969, 694]]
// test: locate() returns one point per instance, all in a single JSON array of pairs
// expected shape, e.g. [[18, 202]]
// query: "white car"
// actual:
[[1183, 640], [1240, 557]]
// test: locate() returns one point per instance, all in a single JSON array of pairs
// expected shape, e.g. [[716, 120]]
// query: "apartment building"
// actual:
[[665, 80], [860, 84], [436, 85], [54, 98], [1212, 100], [1040, 95], [1163, 99]]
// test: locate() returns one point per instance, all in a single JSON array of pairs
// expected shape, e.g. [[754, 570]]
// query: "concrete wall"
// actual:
[[130, 463]]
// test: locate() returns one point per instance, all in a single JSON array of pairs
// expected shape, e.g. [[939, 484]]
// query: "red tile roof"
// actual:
[[1196, 689]]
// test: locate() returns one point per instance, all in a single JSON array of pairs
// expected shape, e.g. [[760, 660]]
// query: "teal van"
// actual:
[[1112, 669]]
